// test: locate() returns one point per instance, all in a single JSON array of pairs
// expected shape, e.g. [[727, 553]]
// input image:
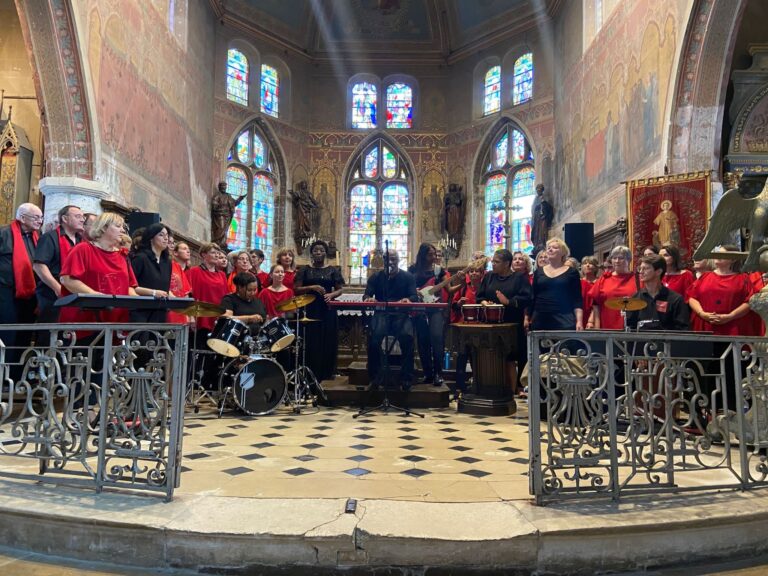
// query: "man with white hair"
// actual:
[[17, 278]]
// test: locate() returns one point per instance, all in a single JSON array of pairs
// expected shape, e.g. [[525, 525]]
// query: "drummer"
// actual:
[[242, 304], [665, 309]]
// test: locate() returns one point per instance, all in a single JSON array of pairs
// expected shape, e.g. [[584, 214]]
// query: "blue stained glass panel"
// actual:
[[399, 106], [371, 164], [243, 147], [362, 228], [270, 90], [492, 94], [364, 105], [518, 146], [521, 235], [263, 215], [237, 77], [394, 220], [390, 163], [237, 185], [522, 183], [502, 147], [495, 210], [522, 83], [259, 155]]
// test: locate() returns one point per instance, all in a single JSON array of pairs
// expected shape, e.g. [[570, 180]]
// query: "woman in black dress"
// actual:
[[152, 266], [513, 291], [557, 301], [321, 338]]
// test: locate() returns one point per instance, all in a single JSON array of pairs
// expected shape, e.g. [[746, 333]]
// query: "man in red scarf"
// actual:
[[17, 279], [52, 250]]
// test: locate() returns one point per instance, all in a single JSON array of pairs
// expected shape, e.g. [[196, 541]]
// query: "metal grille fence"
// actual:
[[95, 404], [617, 413]]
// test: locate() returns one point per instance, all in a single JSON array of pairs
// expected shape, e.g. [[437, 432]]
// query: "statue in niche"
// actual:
[[304, 210], [223, 208], [542, 215], [453, 219]]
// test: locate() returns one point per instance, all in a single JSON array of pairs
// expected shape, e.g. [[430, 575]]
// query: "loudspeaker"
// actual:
[[580, 239], [136, 220]]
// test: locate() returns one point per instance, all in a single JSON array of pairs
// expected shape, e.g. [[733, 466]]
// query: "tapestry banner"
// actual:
[[668, 210]]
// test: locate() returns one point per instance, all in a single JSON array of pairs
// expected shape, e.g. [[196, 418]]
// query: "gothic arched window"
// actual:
[[399, 106], [492, 93], [509, 191], [379, 202], [522, 82], [237, 77], [364, 105], [270, 90], [250, 173]]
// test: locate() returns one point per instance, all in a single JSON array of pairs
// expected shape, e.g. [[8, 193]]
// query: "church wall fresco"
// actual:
[[612, 107], [152, 88]]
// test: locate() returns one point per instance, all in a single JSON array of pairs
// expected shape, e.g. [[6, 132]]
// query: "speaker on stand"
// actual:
[[580, 238], [137, 220]]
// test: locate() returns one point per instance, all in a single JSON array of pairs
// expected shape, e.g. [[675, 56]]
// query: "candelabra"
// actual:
[[449, 247]]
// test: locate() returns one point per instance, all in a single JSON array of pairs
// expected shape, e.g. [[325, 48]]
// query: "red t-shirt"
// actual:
[[208, 287], [586, 286], [264, 279], [100, 270], [679, 282], [612, 286], [180, 288], [723, 294], [270, 298]]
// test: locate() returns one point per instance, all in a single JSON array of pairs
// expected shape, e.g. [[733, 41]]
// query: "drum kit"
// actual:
[[250, 378]]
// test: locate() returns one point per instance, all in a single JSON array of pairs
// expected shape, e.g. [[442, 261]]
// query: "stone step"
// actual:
[[352, 391]]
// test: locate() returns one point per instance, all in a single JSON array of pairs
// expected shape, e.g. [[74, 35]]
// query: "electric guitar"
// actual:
[[431, 293]]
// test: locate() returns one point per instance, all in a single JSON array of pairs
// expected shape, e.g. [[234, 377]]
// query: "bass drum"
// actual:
[[258, 384]]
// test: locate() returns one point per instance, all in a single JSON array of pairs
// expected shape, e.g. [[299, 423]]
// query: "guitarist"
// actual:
[[430, 326]]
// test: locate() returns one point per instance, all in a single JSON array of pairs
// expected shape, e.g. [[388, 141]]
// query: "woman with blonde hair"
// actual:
[[557, 302], [287, 259]]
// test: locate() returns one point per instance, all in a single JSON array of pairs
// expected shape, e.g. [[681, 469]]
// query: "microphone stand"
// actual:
[[384, 370]]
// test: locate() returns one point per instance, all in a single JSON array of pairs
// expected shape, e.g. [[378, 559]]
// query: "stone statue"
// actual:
[[453, 219], [620, 239], [542, 215], [222, 210], [304, 209]]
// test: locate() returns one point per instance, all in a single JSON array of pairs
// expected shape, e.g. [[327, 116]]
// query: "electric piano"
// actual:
[[392, 306], [104, 301]]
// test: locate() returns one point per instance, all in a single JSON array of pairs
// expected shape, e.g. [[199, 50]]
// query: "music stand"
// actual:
[[384, 369]]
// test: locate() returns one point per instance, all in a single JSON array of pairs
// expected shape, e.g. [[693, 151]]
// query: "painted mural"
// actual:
[[612, 108]]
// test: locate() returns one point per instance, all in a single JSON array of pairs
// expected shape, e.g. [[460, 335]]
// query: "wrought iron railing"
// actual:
[[95, 404], [617, 413]]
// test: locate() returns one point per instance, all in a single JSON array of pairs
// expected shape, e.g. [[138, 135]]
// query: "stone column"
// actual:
[[60, 191]]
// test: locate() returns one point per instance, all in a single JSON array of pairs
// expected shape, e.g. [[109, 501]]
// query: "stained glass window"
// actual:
[[522, 183], [495, 208], [364, 105], [501, 150], [518, 146], [378, 212], [243, 147], [270, 90], [371, 168], [258, 152], [237, 185], [390, 163], [492, 95], [263, 215], [524, 193], [237, 77], [522, 83], [399, 106]]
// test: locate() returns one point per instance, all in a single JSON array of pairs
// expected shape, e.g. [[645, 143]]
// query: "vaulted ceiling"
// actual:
[[432, 31]]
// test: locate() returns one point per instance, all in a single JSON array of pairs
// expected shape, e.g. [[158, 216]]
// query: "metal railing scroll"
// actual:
[[94, 404], [617, 413]]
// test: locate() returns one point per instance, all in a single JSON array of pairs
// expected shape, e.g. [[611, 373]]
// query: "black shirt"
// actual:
[[555, 300], [515, 287], [6, 255], [386, 289], [666, 311], [241, 307], [149, 272], [48, 252]]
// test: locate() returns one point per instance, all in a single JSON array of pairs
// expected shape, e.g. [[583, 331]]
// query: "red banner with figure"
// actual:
[[668, 210]]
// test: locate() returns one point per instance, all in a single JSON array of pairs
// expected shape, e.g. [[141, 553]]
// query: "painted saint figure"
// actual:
[[669, 225]]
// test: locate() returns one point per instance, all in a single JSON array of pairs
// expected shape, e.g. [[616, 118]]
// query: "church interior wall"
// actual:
[[613, 104], [153, 95]]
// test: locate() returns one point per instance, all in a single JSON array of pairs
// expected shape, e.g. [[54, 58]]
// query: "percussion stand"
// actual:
[[301, 374]]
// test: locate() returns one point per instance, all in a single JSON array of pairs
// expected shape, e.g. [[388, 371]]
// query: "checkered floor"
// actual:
[[325, 452]]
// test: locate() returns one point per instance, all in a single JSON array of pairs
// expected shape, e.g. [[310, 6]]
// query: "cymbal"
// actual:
[[303, 320], [295, 303], [200, 309], [625, 303]]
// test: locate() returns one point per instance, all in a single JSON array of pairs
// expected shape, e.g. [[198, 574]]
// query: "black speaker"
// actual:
[[136, 220], [580, 239]]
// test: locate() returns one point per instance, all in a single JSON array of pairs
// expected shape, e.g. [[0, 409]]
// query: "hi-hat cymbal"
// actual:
[[625, 303], [302, 320], [200, 309], [295, 303]]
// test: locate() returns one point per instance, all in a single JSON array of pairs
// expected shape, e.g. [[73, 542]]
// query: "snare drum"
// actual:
[[276, 335], [228, 337], [470, 313], [493, 313], [258, 385]]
